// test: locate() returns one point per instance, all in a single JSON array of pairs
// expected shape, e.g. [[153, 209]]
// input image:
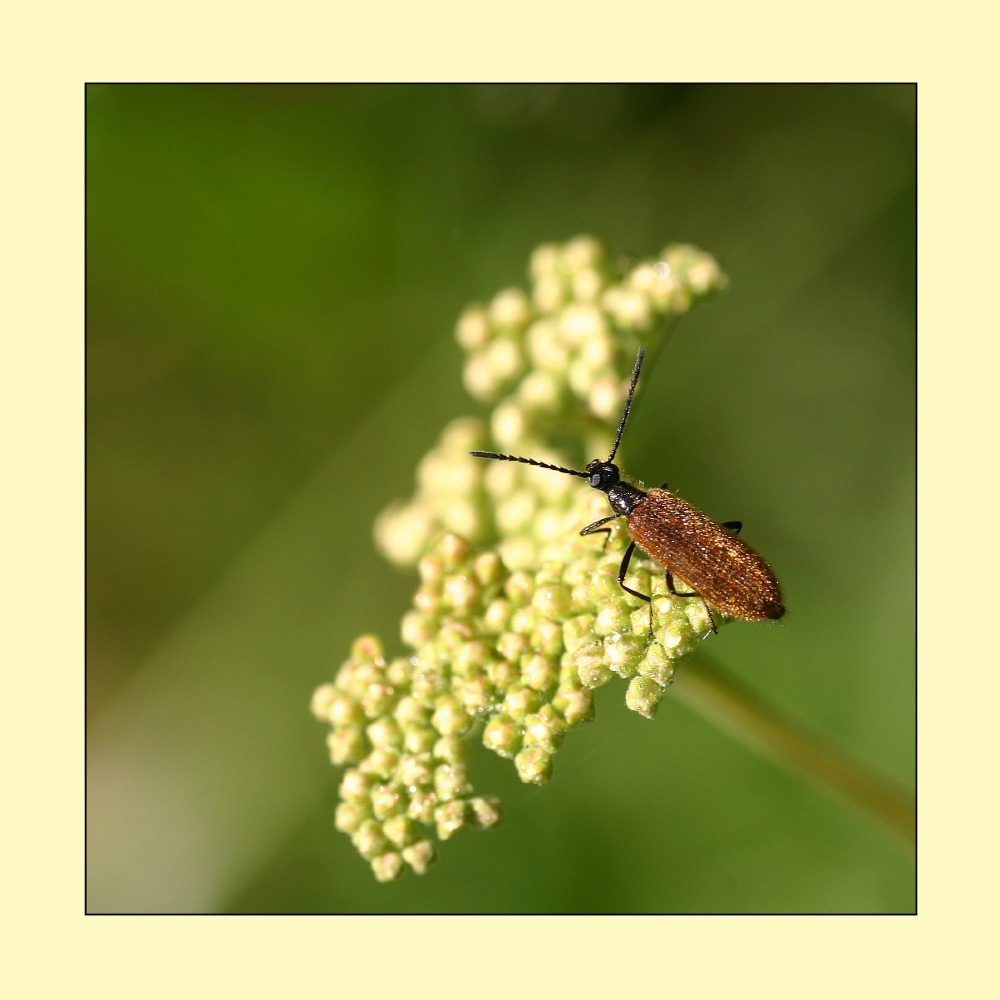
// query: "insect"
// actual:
[[717, 566]]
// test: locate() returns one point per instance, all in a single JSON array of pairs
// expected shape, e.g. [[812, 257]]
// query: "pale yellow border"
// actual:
[[51, 948]]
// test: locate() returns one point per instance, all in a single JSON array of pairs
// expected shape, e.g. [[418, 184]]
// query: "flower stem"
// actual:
[[708, 689]]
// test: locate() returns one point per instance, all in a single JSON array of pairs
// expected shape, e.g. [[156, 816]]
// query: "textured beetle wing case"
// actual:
[[716, 565]]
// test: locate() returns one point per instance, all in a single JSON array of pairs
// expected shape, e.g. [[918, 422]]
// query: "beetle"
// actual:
[[709, 558]]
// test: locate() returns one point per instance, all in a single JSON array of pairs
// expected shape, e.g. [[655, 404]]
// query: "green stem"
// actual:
[[708, 689]]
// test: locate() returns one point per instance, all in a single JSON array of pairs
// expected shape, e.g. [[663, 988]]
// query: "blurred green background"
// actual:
[[273, 276]]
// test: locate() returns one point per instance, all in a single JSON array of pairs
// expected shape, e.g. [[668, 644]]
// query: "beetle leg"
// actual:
[[692, 593], [711, 617], [596, 529], [673, 590], [604, 520], [626, 559]]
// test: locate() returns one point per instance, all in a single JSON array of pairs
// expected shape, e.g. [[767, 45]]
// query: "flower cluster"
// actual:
[[517, 618]]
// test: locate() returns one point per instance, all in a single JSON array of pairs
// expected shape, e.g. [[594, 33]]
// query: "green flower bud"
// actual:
[[451, 782], [399, 673], [346, 745], [410, 712], [451, 717], [553, 601], [578, 633], [471, 659], [368, 648], [349, 816], [534, 765], [591, 667], [419, 856], [575, 705], [545, 260], [387, 867], [523, 622], [345, 711], [503, 673], [496, 618], [477, 696], [402, 531], [544, 728], [422, 805], [656, 665], [461, 592], [520, 701], [512, 646], [580, 322], [378, 699], [356, 786], [639, 623], [321, 701], [381, 762], [539, 672], [550, 292], [697, 615], [431, 571], [549, 574], [400, 830], [485, 811], [429, 687], [488, 569], [451, 750], [418, 627], [369, 840], [613, 618], [624, 653], [419, 739], [473, 328], [502, 735], [605, 587], [354, 677], [388, 800], [676, 638], [415, 770], [547, 349], [429, 601], [450, 817], [540, 393], [587, 285], [547, 639], [452, 636], [515, 512], [479, 380], [510, 309], [453, 551], [520, 588], [384, 732], [582, 253], [643, 696]]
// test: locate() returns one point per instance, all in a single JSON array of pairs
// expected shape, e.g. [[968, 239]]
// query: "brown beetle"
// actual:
[[716, 565]]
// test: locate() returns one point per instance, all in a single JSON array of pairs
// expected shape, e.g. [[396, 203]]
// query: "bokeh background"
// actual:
[[273, 277]]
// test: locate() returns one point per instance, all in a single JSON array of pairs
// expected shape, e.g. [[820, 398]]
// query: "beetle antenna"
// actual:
[[529, 461], [628, 402]]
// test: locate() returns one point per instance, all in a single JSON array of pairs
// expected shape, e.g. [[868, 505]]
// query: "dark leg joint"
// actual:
[[677, 593], [626, 559], [692, 593], [596, 529]]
